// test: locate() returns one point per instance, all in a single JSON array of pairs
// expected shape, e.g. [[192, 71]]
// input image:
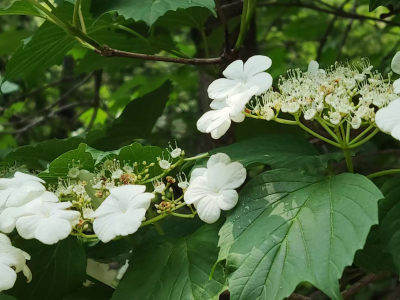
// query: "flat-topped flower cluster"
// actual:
[[341, 93]]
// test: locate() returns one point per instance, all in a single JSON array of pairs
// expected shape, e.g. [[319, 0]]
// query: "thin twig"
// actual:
[[356, 287], [110, 52]]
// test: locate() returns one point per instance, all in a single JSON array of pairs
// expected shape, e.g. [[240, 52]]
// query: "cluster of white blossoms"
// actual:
[[350, 94], [341, 93], [34, 212], [231, 94], [12, 261]]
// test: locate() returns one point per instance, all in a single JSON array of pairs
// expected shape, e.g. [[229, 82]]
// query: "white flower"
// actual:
[[231, 94], [12, 261], [212, 189], [116, 174], [240, 78], [47, 221], [396, 68], [159, 186], [182, 181], [14, 194], [164, 164], [87, 213], [122, 212], [309, 114], [314, 70], [388, 119], [20, 189]]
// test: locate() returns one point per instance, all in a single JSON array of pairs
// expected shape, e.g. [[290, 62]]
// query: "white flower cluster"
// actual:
[[341, 93], [34, 212], [212, 189], [12, 261], [231, 94]]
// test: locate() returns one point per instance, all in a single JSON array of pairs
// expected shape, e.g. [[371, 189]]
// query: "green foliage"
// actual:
[[187, 260], [285, 215], [279, 151], [136, 121], [59, 167], [148, 11], [58, 270], [392, 4], [18, 7]]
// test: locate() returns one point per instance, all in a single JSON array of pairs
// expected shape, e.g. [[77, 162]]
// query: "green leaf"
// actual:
[[93, 292], [45, 48], [290, 227], [389, 229], [57, 270], [19, 7], [138, 153], [175, 269], [38, 156], [6, 297], [10, 40], [59, 167], [279, 151], [147, 10], [392, 4], [136, 121]]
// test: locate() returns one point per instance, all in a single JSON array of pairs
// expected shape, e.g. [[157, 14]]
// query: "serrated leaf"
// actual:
[[45, 48], [37, 156], [290, 227], [57, 270], [59, 167], [147, 10], [174, 269]]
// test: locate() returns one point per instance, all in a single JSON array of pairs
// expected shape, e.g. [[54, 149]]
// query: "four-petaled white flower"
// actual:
[[12, 261], [231, 94], [47, 220], [122, 212], [388, 119], [212, 189], [396, 68], [15, 192]]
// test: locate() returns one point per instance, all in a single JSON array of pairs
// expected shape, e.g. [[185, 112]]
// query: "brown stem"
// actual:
[[110, 52]]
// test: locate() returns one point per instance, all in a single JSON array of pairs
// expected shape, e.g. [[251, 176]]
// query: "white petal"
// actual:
[[238, 118], [257, 64], [27, 225], [218, 158], [128, 191], [208, 209], [234, 70], [396, 132], [261, 82], [141, 201], [387, 118], [197, 172], [228, 199], [109, 206], [52, 230], [221, 88], [8, 218], [229, 176], [313, 67], [197, 190], [5, 240], [396, 63], [218, 104], [213, 119], [8, 277], [396, 86], [221, 130]]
